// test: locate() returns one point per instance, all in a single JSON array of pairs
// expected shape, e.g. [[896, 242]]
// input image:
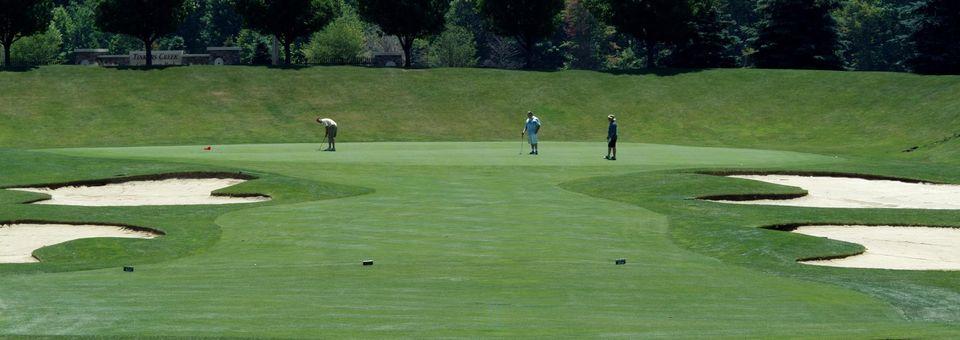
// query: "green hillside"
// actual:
[[827, 112]]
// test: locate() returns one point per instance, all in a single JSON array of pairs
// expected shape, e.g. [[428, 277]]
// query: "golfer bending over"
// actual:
[[612, 138], [531, 128], [331, 133]]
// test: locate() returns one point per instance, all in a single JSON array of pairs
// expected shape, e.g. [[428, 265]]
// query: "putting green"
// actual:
[[469, 239]]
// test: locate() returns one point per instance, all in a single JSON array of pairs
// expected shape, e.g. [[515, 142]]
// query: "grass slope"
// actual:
[[826, 112], [461, 249]]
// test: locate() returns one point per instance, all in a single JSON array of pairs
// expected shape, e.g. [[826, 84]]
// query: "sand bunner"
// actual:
[[175, 191], [887, 247], [18, 241], [893, 247], [847, 192]]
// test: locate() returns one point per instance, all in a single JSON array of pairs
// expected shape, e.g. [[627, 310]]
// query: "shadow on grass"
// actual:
[[18, 68], [147, 68], [164, 67], [659, 72]]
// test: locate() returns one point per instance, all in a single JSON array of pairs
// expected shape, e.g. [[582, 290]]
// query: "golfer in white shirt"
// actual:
[[331, 133], [531, 128]]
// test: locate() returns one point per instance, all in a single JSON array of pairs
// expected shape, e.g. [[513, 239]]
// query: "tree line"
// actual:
[[889, 35]]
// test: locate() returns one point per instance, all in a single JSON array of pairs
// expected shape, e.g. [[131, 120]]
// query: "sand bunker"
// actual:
[[176, 191], [843, 192], [18, 241], [888, 247]]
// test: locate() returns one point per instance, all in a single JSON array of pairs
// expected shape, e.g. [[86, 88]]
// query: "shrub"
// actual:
[[251, 44], [341, 42], [174, 42], [504, 53], [455, 47], [38, 49]]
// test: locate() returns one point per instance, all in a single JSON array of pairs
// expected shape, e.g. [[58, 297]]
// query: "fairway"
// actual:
[[469, 239]]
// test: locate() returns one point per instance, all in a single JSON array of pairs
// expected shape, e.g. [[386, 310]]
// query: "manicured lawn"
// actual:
[[469, 239]]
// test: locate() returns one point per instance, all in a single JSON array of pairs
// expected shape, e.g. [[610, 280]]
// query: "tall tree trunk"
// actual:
[[6, 53], [528, 45], [286, 50], [148, 47], [407, 44], [651, 53]]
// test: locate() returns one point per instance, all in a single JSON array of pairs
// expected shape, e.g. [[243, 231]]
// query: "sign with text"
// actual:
[[139, 58]]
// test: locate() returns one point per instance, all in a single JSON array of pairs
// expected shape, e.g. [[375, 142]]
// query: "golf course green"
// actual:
[[469, 236]]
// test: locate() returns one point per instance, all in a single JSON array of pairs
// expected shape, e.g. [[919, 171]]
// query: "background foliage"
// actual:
[[869, 35]]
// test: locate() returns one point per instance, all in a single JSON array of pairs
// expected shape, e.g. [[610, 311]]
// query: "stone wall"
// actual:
[[88, 56], [224, 55], [388, 60], [113, 60], [101, 57], [196, 59]]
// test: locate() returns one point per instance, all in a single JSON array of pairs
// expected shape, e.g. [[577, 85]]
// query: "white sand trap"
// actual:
[[842, 192], [906, 248], [138, 193], [18, 241]]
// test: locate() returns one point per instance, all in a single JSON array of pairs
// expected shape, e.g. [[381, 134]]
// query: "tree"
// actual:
[[745, 17], [797, 34], [651, 22], [744, 12], [210, 23], [583, 36], [20, 18], [711, 44], [77, 23], [219, 22], [261, 54], [872, 34], [529, 21], [146, 20], [935, 37], [466, 14], [406, 19], [287, 20]]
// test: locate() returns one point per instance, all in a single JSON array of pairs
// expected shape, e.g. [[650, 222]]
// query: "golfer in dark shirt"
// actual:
[[612, 139]]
